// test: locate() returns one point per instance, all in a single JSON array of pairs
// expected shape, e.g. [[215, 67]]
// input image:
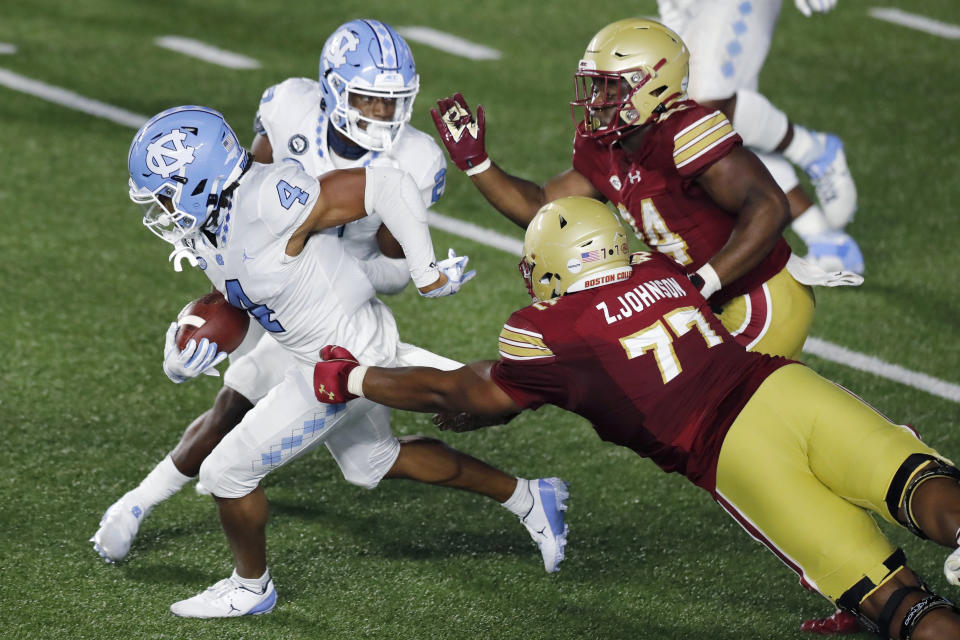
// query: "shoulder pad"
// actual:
[[419, 155], [700, 137], [288, 100], [285, 196]]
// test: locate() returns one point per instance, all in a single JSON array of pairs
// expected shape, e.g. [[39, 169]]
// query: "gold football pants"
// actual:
[[802, 467], [774, 318]]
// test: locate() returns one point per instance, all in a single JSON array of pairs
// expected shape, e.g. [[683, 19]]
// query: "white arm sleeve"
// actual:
[[387, 275], [393, 195]]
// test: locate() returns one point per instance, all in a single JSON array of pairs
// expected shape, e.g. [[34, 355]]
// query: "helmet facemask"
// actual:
[[370, 132], [623, 96]]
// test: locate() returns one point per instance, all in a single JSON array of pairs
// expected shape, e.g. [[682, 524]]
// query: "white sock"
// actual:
[[161, 483], [521, 501], [257, 585], [810, 223], [804, 148], [761, 125]]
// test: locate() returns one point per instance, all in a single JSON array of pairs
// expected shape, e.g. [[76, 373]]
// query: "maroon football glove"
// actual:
[[462, 135], [331, 373]]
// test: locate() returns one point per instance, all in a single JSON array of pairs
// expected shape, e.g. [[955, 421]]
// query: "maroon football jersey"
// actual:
[[655, 190], [644, 360]]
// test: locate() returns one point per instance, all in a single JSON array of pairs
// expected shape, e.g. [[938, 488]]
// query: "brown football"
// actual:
[[213, 318]]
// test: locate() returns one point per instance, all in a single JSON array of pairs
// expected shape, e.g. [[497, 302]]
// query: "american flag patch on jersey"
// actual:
[[591, 256]]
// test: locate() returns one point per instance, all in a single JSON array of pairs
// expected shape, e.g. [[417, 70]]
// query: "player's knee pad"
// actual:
[[908, 479], [369, 468], [219, 475]]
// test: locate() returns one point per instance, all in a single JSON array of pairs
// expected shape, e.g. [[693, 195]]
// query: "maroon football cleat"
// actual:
[[839, 622]]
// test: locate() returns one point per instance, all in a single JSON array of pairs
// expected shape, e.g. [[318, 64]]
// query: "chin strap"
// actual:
[[179, 253]]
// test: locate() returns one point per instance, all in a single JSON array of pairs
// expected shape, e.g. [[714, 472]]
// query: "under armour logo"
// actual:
[[323, 389], [340, 43], [167, 155], [458, 120], [634, 177]]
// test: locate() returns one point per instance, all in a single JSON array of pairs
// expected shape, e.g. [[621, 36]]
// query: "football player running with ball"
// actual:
[[355, 116], [679, 176], [630, 344]]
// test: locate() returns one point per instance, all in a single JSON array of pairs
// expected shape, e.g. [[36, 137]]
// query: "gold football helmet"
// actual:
[[572, 244], [631, 72]]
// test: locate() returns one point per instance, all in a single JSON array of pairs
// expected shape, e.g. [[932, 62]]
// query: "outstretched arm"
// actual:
[[516, 198], [740, 183], [339, 377]]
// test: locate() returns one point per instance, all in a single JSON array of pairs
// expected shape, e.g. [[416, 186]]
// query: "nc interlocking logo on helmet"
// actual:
[[342, 42], [167, 155]]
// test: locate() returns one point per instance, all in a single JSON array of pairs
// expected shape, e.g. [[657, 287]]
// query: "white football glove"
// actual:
[[195, 359], [951, 568], [810, 7], [453, 268]]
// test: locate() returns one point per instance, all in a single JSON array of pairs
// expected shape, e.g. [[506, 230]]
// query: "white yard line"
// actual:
[[70, 99], [920, 23], [206, 52], [449, 43], [508, 244], [7, 48], [468, 230]]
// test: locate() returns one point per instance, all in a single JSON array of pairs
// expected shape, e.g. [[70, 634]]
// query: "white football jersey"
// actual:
[[318, 298], [290, 116]]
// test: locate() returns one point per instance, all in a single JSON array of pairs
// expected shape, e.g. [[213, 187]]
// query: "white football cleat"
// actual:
[[830, 175], [227, 599], [118, 528], [545, 520], [951, 568], [835, 251]]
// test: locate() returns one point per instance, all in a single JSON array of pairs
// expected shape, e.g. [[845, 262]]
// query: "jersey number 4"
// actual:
[[658, 340], [654, 231], [237, 298], [290, 194]]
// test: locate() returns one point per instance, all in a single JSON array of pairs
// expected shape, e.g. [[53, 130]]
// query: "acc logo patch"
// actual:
[[297, 144], [340, 43], [201, 263], [167, 155]]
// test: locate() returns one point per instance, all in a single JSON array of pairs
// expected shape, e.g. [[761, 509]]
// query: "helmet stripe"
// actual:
[[388, 48]]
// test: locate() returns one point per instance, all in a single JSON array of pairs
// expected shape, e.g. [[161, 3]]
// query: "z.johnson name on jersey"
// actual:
[[640, 297]]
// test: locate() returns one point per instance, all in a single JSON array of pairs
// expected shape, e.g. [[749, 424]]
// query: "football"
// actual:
[[213, 318]]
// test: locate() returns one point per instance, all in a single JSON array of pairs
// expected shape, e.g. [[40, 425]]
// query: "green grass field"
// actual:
[[85, 410]]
